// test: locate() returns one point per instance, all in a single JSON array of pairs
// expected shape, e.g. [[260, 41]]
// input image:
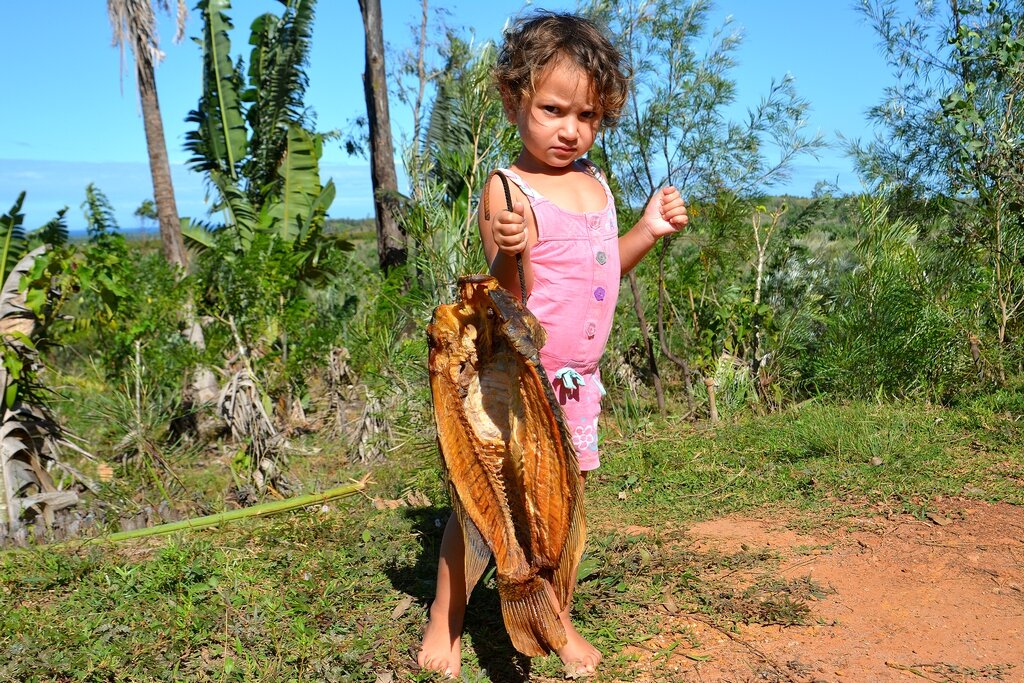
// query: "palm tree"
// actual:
[[134, 22], [391, 241]]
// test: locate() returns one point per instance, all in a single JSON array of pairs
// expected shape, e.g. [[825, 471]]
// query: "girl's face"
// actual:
[[559, 122]]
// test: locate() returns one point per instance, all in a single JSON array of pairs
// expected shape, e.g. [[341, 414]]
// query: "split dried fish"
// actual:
[[511, 467]]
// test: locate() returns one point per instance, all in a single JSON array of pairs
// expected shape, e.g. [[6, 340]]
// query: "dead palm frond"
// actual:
[[245, 408], [341, 388], [30, 437], [372, 435]]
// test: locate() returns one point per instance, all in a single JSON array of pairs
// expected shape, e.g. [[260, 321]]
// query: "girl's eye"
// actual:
[[551, 109], [588, 115]]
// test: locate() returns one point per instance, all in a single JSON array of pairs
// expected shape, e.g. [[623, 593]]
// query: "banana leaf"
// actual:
[[301, 191], [221, 139]]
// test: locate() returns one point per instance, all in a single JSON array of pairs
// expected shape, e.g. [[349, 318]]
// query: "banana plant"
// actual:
[[252, 140]]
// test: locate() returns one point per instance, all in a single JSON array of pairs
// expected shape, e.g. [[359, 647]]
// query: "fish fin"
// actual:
[[564, 577], [531, 621], [549, 469], [477, 554]]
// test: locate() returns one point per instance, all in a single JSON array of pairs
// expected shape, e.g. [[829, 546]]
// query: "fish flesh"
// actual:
[[512, 472]]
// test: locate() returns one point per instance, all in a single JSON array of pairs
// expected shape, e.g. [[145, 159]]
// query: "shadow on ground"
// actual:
[[484, 632]]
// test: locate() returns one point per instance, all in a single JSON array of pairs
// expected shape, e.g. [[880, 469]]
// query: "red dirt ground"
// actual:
[[909, 600]]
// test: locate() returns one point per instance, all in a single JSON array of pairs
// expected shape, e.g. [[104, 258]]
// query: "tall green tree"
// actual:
[[952, 129], [134, 23], [146, 211], [676, 130]]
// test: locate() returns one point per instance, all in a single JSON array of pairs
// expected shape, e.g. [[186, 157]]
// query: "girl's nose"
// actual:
[[569, 127]]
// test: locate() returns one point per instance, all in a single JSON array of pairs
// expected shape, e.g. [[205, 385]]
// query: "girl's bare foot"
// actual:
[[578, 656], [441, 650]]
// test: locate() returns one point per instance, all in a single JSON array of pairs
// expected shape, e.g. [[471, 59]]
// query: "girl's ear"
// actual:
[[511, 110]]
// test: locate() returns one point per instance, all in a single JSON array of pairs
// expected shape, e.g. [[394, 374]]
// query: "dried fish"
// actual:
[[512, 470]]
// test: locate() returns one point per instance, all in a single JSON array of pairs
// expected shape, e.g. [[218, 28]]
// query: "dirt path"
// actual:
[[903, 599]]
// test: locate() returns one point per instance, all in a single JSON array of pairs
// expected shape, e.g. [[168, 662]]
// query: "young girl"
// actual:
[[560, 79]]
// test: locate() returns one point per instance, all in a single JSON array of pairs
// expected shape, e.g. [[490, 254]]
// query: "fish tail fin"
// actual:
[[530, 619]]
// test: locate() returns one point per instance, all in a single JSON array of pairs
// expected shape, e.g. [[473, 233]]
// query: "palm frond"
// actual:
[[12, 237], [54, 232], [28, 433]]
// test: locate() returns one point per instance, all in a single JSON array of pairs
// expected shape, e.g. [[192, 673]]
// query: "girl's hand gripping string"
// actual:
[[509, 230], [665, 213]]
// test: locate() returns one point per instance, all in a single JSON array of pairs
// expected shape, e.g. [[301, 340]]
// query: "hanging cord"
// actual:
[[487, 216]]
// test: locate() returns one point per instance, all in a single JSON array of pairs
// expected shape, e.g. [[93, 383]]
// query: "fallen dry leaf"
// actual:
[[105, 472], [402, 607], [417, 499]]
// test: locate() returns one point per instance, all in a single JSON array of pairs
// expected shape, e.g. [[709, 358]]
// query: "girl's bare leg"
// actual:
[[579, 657], [442, 647]]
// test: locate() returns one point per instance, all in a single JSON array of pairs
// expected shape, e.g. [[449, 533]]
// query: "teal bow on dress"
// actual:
[[569, 378]]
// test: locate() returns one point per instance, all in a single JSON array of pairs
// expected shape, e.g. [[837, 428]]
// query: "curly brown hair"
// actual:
[[539, 39]]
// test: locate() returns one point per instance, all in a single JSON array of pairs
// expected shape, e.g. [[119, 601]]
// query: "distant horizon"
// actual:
[[155, 228]]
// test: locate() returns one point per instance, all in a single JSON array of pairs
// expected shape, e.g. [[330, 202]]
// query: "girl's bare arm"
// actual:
[[506, 233], [664, 215]]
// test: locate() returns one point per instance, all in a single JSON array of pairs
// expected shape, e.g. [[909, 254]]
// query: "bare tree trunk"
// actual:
[[681, 362], [652, 363], [202, 388], [159, 168], [709, 382], [391, 246]]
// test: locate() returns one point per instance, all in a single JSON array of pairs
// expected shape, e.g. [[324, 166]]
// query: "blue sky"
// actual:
[[69, 118]]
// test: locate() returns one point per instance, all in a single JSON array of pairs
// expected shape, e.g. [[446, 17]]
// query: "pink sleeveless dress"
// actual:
[[576, 276]]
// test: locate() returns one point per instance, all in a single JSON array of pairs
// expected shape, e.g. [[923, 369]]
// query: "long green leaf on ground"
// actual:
[[263, 510]]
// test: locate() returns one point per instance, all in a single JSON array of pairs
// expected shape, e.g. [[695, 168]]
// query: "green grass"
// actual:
[[312, 595], [817, 456]]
